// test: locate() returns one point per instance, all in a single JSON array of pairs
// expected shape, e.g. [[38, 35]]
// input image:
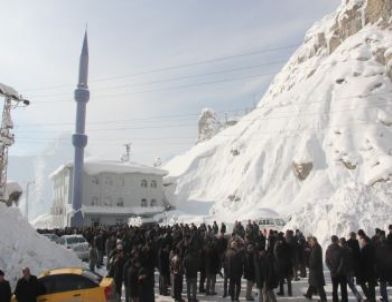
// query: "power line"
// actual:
[[179, 66]]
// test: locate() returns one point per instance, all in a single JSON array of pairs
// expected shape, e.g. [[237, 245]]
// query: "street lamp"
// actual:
[[27, 197]]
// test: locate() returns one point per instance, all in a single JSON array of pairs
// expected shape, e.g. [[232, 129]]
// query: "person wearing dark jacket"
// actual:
[[271, 277], [235, 268], [249, 271], [283, 259], [259, 263], [353, 244], [116, 272], [212, 263], [335, 261], [5, 289], [176, 269], [367, 274], [164, 270], [191, 266], [316, 274], [27, 288], [349, 268], [384, 266]]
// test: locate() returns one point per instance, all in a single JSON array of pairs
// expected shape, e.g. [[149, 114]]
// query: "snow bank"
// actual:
[[323, 124], [21, 246]]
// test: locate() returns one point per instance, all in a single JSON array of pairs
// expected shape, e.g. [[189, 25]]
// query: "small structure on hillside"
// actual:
[[113, 191]]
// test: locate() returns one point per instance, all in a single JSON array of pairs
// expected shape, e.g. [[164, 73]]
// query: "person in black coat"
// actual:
[[335, 260], [5, 289], [235, 268], [316, 274], [249, 271], [353, 244], [133, 281], [367, 274], [283, 259], [212, 263], [191, 266], [27, 288], [259, 264], [164, 270], [116, 272], [383, 267]]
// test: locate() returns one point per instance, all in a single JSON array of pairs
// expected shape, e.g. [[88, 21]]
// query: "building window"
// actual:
[[95, 180], [120, 202], [108, 202], [153, 203], [144, 183], [109, 181], [143, 204], [94, 201], [154, 184]]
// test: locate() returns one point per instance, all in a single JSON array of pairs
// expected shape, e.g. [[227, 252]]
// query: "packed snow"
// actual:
[[318, 148], [21, 246]]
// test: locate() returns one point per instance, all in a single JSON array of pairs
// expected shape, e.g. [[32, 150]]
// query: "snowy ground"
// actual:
[[299, 288]]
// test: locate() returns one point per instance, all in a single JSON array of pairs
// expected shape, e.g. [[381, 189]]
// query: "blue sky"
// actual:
[[147, 79]]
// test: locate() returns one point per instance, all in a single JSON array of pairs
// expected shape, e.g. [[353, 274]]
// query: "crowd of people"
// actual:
[[268, 260]]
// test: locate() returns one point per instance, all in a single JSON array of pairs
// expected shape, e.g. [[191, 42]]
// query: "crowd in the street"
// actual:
[[267, 260]]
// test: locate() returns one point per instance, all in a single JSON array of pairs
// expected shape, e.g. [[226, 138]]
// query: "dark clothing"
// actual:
[[146, 285], [384, 262], [5, 291], [235, 288], [116, 273], [249, 267], [234, 264], [356, 255], [341, 281], [316, 275], [27, 290], [259, 263], [132, 281], [191, 265], [335, 260], [367, 265]]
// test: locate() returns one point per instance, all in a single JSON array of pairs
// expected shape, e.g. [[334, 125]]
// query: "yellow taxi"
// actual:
[[74, 285]]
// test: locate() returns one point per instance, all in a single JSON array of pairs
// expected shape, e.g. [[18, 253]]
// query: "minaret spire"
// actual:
[[79, 139]]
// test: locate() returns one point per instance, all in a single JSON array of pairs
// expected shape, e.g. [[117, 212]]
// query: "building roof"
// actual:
[[95, 166], [121, 210]]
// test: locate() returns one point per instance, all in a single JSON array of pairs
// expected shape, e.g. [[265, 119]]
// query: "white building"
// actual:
[[112, 192]]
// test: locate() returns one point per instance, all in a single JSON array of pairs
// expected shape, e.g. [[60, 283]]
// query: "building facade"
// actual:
[[112, 192]]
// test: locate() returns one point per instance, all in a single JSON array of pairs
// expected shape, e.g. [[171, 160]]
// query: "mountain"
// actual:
[[318, 148], [37, 168]]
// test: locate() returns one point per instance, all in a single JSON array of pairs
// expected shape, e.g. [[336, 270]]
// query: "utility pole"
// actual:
[[7, 139], [27, 197]]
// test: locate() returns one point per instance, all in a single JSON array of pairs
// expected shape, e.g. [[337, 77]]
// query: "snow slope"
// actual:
[[21, 246], [321, 136]]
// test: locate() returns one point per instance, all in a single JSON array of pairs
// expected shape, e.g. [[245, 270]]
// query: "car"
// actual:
[[52, 237], [74, 284], [77, 243]]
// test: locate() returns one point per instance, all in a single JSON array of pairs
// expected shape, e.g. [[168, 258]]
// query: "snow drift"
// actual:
[[21, 246], [320, 138]]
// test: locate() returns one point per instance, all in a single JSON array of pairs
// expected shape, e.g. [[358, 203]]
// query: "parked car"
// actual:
[[52, 237], [74, 284], [77, 243]]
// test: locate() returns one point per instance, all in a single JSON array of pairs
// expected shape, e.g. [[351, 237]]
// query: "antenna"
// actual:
[[126, 157]]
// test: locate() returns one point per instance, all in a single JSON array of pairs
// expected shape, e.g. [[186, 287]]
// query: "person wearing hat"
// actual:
[[5, 289]]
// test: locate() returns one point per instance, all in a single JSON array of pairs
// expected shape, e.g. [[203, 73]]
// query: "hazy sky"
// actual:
[[153, 66]]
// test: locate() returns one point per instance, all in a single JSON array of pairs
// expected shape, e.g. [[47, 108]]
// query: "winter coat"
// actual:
[[212, 260], [270, 272], [348, 261], [116, 272], [384, 261], [132, 280], [191, 265], [5, 291], [356, 254], [367, 263], [234, 264], [283, 258], [249, 267], [146, 285], [27, 290], [259, 263], [163, 262], [316, 275], [334, 260]]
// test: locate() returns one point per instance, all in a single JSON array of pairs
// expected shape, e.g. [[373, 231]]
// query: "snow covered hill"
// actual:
[[21, 246], [320, 142]]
